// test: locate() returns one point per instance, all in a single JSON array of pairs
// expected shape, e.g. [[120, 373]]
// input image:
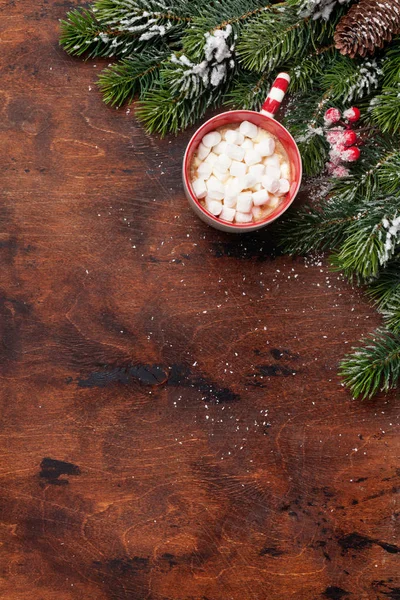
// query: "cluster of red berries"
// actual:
[[342, 139]]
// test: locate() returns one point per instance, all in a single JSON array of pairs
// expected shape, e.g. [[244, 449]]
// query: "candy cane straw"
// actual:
[[276, 95]]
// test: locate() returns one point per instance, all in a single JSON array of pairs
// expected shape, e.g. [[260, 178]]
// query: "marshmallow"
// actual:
[[261, 197], [257, 187], [262, 135], [247, 144], [213, 206], [258, 171], [202, 151], [257, 212], [244, 202], [242, 183], [285, 170], [227, 214], [204, 170], [284, 187], [223, 162], [252, 157], [272, 161], [270, 183], [266, 147], [273, 201], [215, 188], [230, 201], [250, 180], [273, 172], [220, 175], [220, 148], [248, 129], [199, 188], [238, 169], [233, 136], [243, 217], [211, 139], [211, 159], [234, 152]]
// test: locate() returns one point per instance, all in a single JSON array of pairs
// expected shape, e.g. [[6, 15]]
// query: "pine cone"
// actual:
[[368, 25]]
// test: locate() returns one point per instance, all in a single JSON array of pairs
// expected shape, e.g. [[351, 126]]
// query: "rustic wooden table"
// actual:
[[173, 427]]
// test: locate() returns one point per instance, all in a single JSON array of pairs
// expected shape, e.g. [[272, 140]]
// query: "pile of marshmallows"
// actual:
[[238, 173]]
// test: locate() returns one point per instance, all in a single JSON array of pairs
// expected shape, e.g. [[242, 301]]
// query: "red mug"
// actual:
[[264, 119]]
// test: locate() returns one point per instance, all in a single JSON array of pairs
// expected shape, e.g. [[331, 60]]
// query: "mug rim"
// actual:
[[239, 226]]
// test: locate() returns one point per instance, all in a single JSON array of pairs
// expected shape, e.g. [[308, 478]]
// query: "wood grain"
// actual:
[[172, 426]]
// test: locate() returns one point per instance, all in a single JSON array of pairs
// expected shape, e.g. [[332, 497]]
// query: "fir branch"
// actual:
[[348, 80], [378, 173], [304, 119], [248, 90], [386, 288], [372, 239], [391, 64], [385, 110], [308, 71], [277, 36], [218, 15], [374, 366], [133, 75], [80, 34]]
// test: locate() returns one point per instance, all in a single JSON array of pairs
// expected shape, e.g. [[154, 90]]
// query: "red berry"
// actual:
[[334, 136], [352, 114], [349, 137], [351, 154], [332, 116], [330, 167]]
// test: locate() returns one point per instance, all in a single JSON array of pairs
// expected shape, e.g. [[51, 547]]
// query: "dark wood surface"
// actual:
[[172, 423]]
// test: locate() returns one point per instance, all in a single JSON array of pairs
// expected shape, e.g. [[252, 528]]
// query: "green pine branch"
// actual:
[[385, 109], [248, 90], [132, 76], [349, 79], [373, 367]]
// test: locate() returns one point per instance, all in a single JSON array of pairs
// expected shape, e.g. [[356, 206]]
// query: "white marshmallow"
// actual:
[[266, 147], [211, 159], [285, 170], [273, 172], [238, 169], [232, 189], [284, 187], [215, 188], [213, 206], [270, 183], [211, 139], [220, 175], [199, 188], [234, 152], [204, 170], [233, 136], [202, 151], [257, 187], [220, 148], [252, 157], [250, 180], [247, 144], [230, 202], [261, 197], [258, 171], [262, 135], [241, 181], [244, 202], [223, 162], [272, 161], [243, 217], [227, 213], [257, 212], [273, 201], [248, 129]]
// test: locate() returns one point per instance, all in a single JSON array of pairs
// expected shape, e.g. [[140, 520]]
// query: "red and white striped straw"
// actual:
[[276, 95]]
